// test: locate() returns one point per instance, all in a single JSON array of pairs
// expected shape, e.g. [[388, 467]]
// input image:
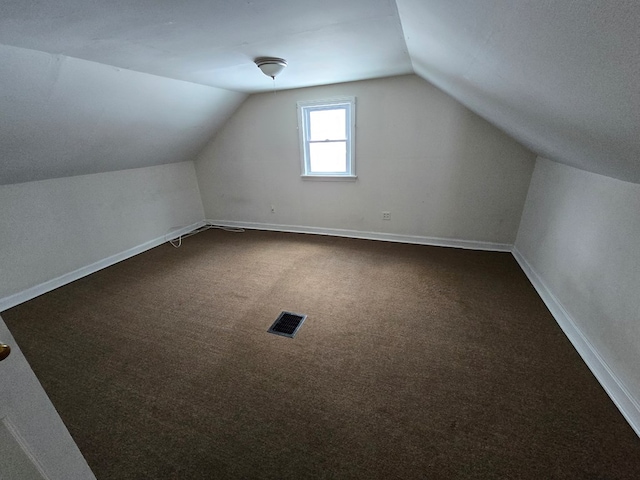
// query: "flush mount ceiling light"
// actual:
[[271, 66]]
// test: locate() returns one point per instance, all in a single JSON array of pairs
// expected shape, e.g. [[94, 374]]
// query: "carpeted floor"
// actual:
[[414, 362]]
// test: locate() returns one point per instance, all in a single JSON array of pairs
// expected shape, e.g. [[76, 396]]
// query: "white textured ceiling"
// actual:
[[214, 42], [561, 76], [61, 116]]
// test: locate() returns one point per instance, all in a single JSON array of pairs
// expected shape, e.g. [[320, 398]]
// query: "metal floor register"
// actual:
[[287, 324]]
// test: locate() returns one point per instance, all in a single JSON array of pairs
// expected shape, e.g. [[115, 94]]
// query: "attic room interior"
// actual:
[[466, 265]]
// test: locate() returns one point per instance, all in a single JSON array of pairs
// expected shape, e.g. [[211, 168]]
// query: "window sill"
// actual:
[[330, 178]]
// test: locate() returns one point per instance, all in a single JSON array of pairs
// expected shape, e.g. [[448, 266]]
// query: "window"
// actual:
[[327, 138]]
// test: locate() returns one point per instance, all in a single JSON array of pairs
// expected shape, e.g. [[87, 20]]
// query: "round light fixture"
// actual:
[[271, 66]]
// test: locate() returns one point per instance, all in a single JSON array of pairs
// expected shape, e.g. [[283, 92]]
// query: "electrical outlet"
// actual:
[[386, 215]]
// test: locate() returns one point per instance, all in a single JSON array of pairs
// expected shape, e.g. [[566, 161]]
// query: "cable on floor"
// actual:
[[177, 243]]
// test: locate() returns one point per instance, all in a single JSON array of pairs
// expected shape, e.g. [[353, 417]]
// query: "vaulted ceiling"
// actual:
[[112, 84], [561, 76]]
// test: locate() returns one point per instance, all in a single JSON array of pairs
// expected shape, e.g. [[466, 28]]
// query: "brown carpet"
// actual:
[[414, 362]]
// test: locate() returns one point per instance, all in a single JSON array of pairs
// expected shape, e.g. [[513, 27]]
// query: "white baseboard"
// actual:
[[387, 237], [626, 403], [28, 294]]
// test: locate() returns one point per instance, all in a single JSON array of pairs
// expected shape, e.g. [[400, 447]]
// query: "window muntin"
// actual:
[[326, 134]]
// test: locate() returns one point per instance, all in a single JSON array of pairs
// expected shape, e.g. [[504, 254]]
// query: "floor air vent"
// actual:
[[287, 324]]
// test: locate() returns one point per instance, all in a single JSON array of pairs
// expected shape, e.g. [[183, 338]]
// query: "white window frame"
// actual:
[[304, 107]]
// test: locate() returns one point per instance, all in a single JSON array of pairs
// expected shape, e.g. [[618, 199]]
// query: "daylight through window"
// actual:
[[326, 134]]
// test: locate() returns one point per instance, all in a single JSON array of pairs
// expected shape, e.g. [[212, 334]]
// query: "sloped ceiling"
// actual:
[[561, 76], [182, 69], [111, 84], [61, 116], [214, 42]]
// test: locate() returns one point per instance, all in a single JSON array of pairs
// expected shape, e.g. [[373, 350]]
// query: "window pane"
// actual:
[[328, 124], [328, 157]]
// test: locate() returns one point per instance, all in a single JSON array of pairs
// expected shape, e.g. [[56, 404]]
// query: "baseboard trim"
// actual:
[[36, 291], [387, 237], [622, 398]]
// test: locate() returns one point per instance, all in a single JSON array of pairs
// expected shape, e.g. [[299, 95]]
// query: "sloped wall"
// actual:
[[559, 76], [52, 227], [580, 235], [440, 170], [62, 116]]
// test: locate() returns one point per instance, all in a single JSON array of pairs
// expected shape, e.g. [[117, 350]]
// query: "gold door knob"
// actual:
[[5, 350]]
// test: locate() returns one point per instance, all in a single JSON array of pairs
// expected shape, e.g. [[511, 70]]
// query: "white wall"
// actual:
[[580, 232], [52, 227], [440, 170]]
